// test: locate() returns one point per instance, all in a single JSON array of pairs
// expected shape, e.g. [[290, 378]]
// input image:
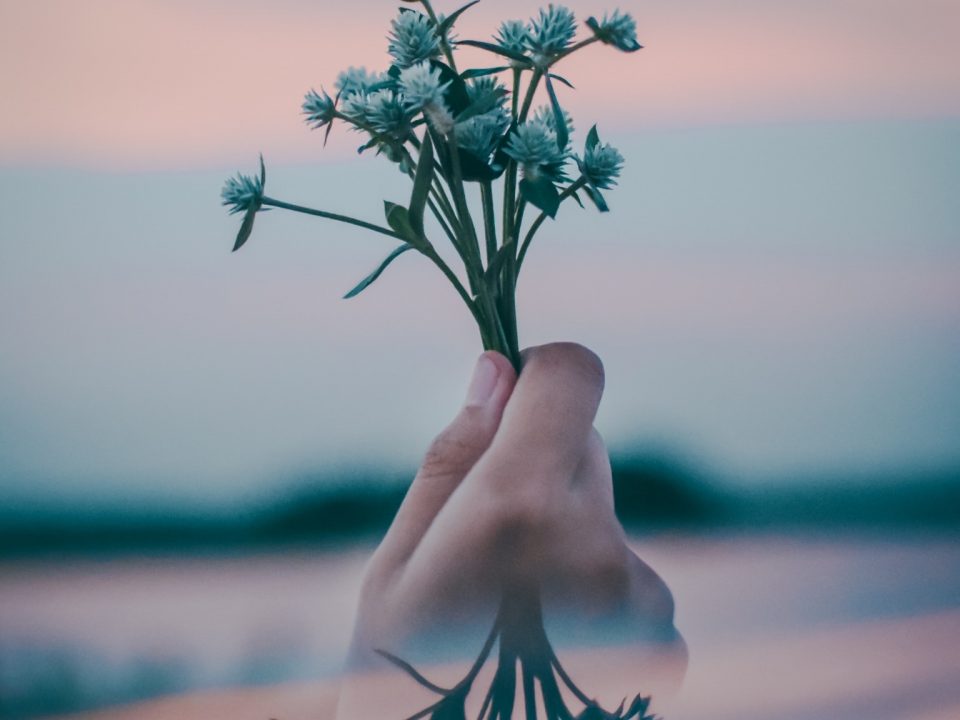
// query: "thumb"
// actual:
[[451, 456]]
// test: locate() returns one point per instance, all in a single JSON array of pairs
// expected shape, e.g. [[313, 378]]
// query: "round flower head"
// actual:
[[356, 106], [617, 29], [357, 80], [601, 165], [481, 134], [551, 31], [513, 35], [413, 38], [422, 90], [534, 146], [486, 90], [545, 116], [421, 86], [242, 193], [318, 108], [388, 113]]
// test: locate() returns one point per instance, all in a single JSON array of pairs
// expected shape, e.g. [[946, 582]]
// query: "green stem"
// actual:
[[528, 98], [489, 222], [572, 49], [447, 52], [330, 216]]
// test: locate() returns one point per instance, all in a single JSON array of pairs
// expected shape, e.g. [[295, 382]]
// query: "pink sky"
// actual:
[[153, 84]]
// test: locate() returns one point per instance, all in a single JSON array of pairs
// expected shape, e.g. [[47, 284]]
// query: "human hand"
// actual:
[[516, 491]]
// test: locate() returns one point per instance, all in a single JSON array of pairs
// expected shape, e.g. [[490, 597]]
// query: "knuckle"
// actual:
[[453, 450]]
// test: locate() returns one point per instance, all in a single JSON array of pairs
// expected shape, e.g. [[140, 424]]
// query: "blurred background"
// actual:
[[198, 449]]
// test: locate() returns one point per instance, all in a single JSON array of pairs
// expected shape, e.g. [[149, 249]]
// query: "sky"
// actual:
[[775, 294]]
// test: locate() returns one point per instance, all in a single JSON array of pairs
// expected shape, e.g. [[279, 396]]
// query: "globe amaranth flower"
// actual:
[[413, 39], [423, 90], [551, 32], [618, 29], [358, 80], [356, 106], [318, 108], [487, 92], [481, 134], [601, 165], [242, 193], [513, 35], [545, 116], [389, 114], [534, 146]]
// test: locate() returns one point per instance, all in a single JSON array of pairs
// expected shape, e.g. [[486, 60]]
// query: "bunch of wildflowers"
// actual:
[[454, 131]]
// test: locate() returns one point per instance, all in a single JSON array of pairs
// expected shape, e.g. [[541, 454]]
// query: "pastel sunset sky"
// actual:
[[776, 292]]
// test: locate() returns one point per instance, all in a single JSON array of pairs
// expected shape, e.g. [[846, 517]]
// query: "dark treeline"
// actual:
[[652, 494]]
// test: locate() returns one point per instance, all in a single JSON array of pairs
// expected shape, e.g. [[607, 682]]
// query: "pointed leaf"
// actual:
[[490, 47], [542, 194], [456, 94], [369, 279], [448, 21], [480, 72], [560, 78], [398, 218], [421, 184], [563, 132], [597, 198], [246, 227], [593, 137]]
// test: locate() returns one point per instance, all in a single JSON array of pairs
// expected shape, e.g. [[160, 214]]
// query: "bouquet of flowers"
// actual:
[[458, 132]]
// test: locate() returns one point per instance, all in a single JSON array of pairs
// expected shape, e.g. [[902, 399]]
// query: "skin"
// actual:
[[516, 490]]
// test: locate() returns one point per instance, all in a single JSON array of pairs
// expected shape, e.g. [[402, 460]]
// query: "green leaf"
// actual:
[[627, 45], [576, 196], [563, 132], [480, 72], [597, 198], [246, 227], [421, 185], [497, 49], [560, 78], [593, 137], [542, 194], [456, 94], [369, 279], [448, 21], [398, 218]]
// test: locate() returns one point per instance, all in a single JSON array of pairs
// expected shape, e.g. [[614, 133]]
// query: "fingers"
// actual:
[[548, 424], [494, 521], [451, 456]]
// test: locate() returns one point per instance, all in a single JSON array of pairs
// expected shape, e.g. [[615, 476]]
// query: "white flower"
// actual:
[[481, 134], [534, 146], [318, 108], [422, 90], [242, 193], [387, 112], [413, 38], [617, 29], [421, 85], [601, 165], [551, 31], [358, 79], [513, 36]]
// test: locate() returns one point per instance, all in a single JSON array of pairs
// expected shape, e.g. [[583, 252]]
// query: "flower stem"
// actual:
[[330, 216], [528, 238]]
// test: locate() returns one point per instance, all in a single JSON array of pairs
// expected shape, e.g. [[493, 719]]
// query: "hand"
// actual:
[[517, 489]]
